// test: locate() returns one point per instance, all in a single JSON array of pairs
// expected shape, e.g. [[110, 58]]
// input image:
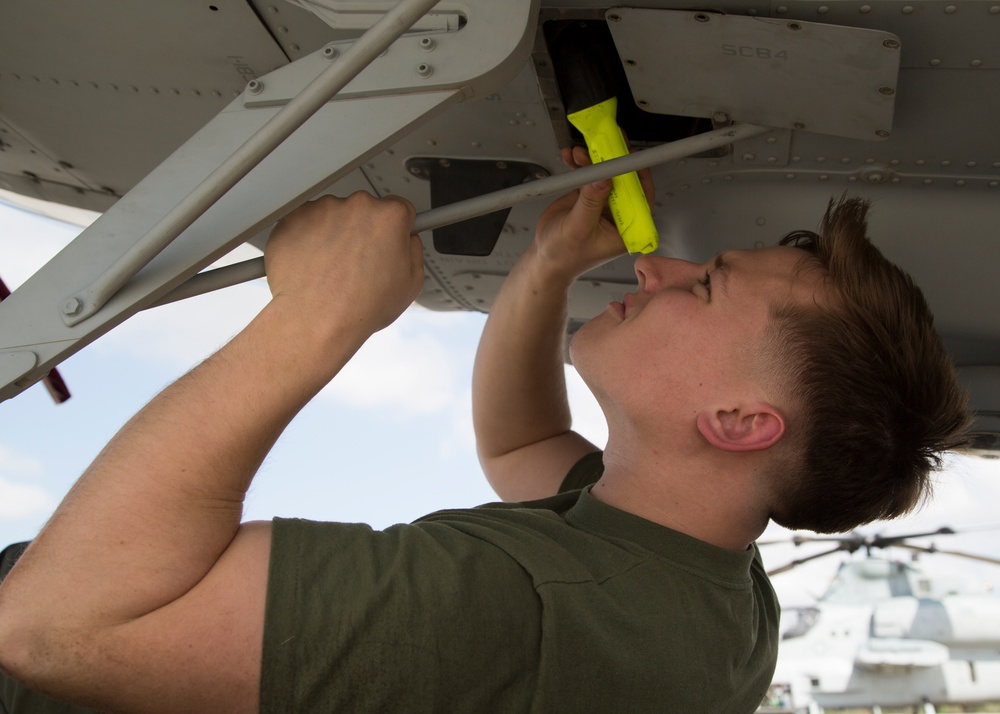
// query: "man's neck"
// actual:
[[715, 500]]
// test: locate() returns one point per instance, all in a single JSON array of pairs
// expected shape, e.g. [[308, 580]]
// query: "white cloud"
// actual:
[[405, 372], [21, 500], [18, 500]]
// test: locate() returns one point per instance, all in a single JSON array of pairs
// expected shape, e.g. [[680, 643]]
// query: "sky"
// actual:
[[388, 441]]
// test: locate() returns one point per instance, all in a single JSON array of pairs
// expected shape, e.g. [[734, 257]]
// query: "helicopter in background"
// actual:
[[888, 633]]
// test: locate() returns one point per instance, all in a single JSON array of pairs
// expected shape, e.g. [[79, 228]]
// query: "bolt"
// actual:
[[425, 70], [72, 307], [330, 52], [255, 86], [891, 44]]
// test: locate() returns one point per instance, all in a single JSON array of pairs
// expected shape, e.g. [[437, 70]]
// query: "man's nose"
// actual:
[[656, 272]]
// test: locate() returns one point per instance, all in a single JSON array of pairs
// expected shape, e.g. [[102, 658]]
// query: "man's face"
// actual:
[[690, 333]]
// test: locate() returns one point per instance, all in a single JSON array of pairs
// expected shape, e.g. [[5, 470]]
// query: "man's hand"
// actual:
[[575, 234], [357, 252]]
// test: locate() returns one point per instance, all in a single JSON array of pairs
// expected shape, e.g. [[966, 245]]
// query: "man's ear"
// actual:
[[751, 427]]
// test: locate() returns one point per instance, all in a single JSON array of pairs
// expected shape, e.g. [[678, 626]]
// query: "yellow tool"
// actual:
[[599, 125]]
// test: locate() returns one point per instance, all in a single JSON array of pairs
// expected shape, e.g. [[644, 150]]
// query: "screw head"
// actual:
[[72, 307], [255, 86]]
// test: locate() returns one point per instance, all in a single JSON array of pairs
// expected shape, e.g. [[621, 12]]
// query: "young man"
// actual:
[[642, 593]]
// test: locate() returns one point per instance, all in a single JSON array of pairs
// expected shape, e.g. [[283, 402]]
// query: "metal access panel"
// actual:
[[775, 72]]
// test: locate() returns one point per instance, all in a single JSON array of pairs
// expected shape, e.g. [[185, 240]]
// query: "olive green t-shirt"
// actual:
[[562, 604]]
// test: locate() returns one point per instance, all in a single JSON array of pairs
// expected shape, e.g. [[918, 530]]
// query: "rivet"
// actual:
[[521, 146], [630, 63], [282, 28], [928, 182], [994, 184], [414, 170], [820, 159], [614, 17], [951, 9], [722, 118], [444, 163], [476, 144], [727, 178], [934, 62], [501, 164], [254, 86], [887, 91], [425, 70], [789, 176], [823, 177], [891, 44], [960, 182], [907, 9], [701, 17], [946, 163], [896, 179], [995, 10], [894, 162], [330, 52], [427, 43], [749, 157], [845, 160], [975, 63], [782, 9], [996, 164], [882, 133], [799, 125], [761, 221], [772, 159], [794, 26], [642, 103], [865, 9], [772, 140], [822, 9]]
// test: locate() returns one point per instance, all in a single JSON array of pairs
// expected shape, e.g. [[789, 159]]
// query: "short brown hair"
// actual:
[[877, 397]]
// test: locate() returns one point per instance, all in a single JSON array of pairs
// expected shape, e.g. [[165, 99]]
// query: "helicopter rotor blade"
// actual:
[[800, 561], [958, 553]]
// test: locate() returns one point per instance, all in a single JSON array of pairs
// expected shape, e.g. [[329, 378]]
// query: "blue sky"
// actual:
[[388, 441]]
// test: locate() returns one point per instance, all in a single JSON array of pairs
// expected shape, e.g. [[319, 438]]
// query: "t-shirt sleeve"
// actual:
[[360, 620], [585, 472]]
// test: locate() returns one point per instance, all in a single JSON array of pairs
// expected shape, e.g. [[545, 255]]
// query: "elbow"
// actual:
[[28, 654], [15, 644]]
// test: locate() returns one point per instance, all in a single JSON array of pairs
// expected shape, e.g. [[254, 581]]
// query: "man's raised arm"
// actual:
[[520, 409], [143, 592]]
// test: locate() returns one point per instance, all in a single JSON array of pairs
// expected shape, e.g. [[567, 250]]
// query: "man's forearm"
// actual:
[[519, 385], [163, 500]]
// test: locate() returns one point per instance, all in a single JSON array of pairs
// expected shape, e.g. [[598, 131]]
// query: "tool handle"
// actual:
[[628, 203]]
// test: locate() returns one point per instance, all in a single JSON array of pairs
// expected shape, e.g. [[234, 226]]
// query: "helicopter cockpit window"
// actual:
[[807, 617]]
